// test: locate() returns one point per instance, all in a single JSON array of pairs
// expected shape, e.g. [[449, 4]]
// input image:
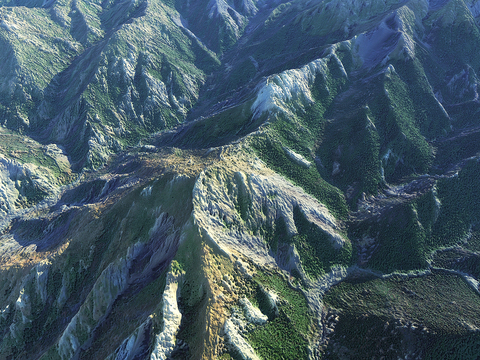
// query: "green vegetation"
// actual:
[[276, 234], [454, 347], [452, 151], [460, 209], [335, 21], [295, 306], [372, 309], [48, 55], [133, 308], [131, 219], [353, 142], [121, 225], [272, 153], [394, 112], [316, 248], [101, 77], [291, 328], [198, 261], [473, 243], [51, 354], [308, 133], [287, 343], [456, 35], [243, 204], [241, 75], [406, 234], [33, 53], [460, 260], [428, 116], [24, 150], [94, 89], [400, 239]]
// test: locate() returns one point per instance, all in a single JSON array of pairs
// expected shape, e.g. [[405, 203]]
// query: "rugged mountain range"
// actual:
[[239, 179]]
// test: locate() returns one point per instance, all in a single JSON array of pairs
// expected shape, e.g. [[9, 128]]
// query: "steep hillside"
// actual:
[[239, 179]]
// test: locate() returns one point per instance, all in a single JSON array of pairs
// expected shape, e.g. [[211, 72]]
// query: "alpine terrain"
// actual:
[[239, 179]]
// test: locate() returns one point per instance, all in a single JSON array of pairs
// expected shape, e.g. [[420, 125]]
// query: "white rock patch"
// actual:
[[253, 314], [238, 342], [289, 86], [473, 283], [13, 174], [147, 191], [299, 159], [165, 341]]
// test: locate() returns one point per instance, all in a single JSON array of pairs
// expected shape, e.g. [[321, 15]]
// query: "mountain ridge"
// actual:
[[239, 179]]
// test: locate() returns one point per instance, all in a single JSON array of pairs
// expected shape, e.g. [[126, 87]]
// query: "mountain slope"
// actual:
[[239, 179]]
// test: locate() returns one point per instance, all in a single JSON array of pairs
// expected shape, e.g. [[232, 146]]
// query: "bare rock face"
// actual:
[[299, 159], [238, 343], [134, 345], [227, 205], [291, 89], [165, 341]]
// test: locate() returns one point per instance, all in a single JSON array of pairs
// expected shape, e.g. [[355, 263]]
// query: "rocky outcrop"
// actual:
[[239, 344], [165, 341], [84, 94], [115, 279], [299, 159], [143, 341], [22, 185], [31, 300], [135, 345], [365, 87], [111, 283], [252, 314], [243, 320], [232, 208], [290, 91]]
